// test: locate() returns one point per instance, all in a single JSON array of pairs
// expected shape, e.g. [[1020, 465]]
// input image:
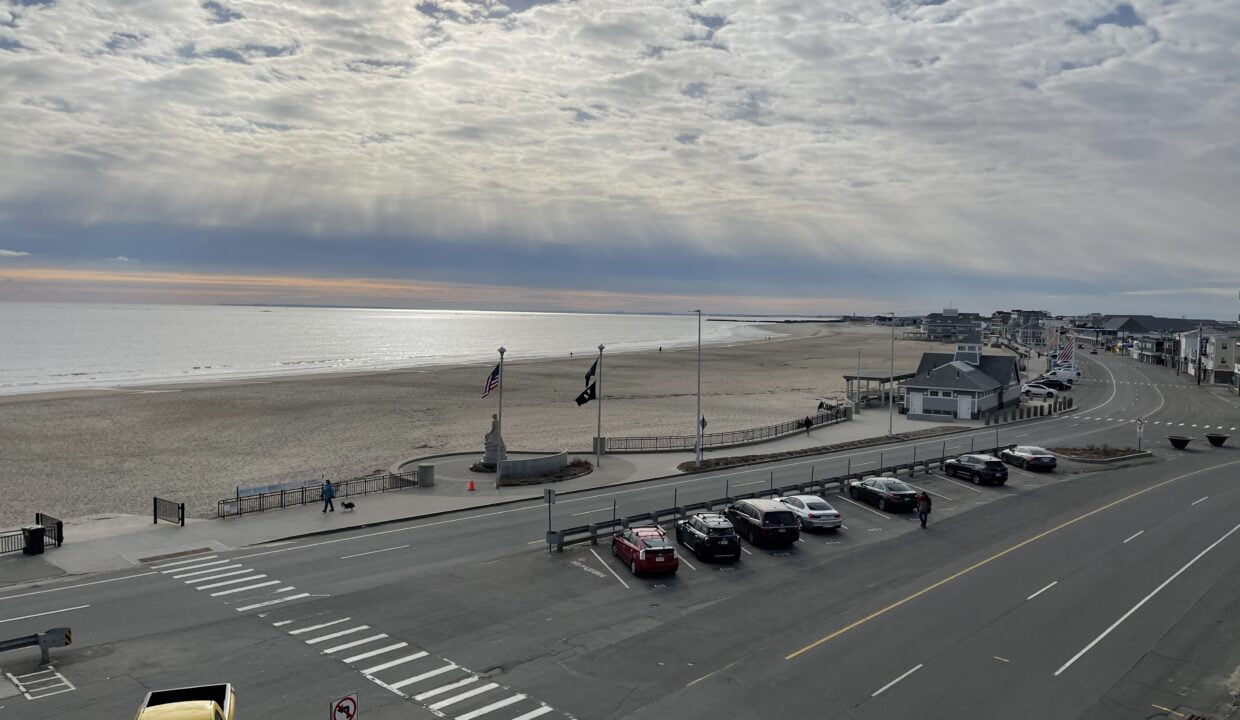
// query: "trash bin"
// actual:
[[33, 537]]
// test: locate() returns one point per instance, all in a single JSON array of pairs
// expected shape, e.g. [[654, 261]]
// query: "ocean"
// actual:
[[48, 347]]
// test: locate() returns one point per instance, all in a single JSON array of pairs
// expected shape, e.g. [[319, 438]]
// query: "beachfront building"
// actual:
[[1209, 355], [951, 324], [961, 385]]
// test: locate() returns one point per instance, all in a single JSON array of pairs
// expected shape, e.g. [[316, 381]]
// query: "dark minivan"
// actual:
[[764, 522]]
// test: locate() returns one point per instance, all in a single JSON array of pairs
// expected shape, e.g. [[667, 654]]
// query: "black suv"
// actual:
[[978, 468], [1052, 384], [761, 521], [709, 535]]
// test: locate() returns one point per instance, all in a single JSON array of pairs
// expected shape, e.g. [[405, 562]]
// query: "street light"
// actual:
[[857, 392], [697, 421], [891, 381]]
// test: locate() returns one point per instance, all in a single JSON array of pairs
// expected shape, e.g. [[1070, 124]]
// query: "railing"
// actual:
[[722, 439], [261, 502], [591, 533], [173, 512], [54, 529], [11, 541]]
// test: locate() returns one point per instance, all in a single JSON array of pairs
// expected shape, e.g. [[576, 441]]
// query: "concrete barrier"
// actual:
[[530, 467], [426, 475]]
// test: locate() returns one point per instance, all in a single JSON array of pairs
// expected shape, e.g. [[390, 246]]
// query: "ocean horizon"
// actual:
[[55, 347]]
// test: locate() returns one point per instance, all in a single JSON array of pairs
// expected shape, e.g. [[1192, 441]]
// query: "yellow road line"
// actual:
[[992, 558]]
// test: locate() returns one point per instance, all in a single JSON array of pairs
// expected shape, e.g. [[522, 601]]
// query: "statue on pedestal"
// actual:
[[493, 444]]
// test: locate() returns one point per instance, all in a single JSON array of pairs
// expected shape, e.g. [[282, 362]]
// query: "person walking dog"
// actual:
[[923, 507], [329, 492]]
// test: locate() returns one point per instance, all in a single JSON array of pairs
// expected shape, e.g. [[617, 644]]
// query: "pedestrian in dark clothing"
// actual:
[[923, 507], [808, 424], [329, 492]]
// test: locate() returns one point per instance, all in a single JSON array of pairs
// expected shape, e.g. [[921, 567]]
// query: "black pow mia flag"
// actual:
[[590, 374], [587, 395]]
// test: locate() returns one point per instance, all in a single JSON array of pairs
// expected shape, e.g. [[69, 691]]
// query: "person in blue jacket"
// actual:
[[329, 492]]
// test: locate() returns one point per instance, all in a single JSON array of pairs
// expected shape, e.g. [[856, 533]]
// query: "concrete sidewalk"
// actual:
[[118, 541]]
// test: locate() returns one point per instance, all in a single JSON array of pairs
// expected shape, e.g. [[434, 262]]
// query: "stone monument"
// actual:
[[493, 445]]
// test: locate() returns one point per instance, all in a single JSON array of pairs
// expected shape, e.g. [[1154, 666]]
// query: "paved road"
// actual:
[[1000, 609]]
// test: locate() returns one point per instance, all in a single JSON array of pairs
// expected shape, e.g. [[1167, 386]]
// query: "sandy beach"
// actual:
[[80, 454]]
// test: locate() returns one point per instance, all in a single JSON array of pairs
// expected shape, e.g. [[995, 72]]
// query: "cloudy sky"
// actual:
[[792, 156]]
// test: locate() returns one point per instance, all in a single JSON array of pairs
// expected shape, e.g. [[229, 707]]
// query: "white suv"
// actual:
[[1034, 389]]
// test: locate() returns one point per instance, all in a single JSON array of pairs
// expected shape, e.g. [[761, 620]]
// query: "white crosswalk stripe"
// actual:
[[491, 708], [245, 588], [446, 688], [462, 697], [429, 674], [335, 635], [394, 663], [355, 643], [374, 653]]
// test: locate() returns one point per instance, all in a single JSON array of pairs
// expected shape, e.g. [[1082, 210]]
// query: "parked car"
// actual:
[[1080, 346], [1069, 367], [202, 702], [709, 535], [1029, 457], [764, 521], [1063, 375], [889, 494], [1093, 352], [813, 512], [1057, 385], [645, 549], [1036, 390], [978, 468]]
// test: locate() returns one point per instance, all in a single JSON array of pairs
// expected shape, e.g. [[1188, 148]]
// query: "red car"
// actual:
[[645, 549]]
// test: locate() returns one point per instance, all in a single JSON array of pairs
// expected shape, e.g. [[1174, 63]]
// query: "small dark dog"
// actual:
[[347, 505]]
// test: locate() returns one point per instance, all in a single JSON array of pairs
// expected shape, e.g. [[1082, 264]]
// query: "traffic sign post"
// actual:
[[1140, 431], [345, 708]]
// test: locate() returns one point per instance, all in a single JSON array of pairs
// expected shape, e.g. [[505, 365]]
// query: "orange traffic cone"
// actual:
[[471, 485]]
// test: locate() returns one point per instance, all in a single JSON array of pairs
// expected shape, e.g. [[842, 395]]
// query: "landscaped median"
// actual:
[[1097, 454], [738, 460]]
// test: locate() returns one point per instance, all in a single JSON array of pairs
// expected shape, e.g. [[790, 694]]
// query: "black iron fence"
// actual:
[[261, 502], [172, 512], [722, 439], [11, 541], [591, 533], [54, 530]]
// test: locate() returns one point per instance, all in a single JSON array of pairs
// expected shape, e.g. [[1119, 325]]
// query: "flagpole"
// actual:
[[499, 417], [598, 438]]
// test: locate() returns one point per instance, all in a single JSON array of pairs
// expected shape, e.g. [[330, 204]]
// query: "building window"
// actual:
[[934, 393], [947, 393]]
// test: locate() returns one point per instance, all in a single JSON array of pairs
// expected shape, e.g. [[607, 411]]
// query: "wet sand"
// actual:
[[86, 453]]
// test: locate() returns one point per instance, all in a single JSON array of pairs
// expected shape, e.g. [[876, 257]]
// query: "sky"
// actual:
[[763, 156]]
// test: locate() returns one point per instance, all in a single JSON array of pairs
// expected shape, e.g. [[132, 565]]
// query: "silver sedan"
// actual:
[[813, 512]]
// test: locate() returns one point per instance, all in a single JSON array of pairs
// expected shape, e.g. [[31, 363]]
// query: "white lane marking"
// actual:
[[222, 583], [1023, 435], [209, 578], [200, 558], [373, 653], [312, 628], [609, 568], [372, 552], [339, 633], [1144, 600], [195, 567], [535, 713], [419, 678], [462, 697], [49, 612], [879, 691], [1048, 587], [492, 707], [282, 623], [244, 588], [355, 643], [1207, 497], [277, 601], [755, 482], [73, 587], [587, 512], [394, 663], [1134, 537], [685, 561], [863, 464], [745, 550], [208, 571], [446, 688], [863, 507]]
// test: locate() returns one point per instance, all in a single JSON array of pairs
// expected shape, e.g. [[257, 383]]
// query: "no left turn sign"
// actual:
[[345, 708]]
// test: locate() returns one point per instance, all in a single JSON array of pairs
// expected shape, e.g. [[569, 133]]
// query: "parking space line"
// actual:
[[609, 568], [394, 663], [953, 482], [917, 487], [745, 550], [863, 507], [685, 561], [888, 686]]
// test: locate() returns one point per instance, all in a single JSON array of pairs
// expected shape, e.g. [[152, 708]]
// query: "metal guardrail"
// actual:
[[722, 439], [54, 529], [173, 512], [592, 532], [261, 502], [12, 541]]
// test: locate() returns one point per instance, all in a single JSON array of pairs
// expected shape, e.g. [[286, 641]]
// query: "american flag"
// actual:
[[492, 382]]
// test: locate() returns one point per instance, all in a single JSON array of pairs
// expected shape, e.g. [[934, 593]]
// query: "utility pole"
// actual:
[[891, 381], [697, 421]]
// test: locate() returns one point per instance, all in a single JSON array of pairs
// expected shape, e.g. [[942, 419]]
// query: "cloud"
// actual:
[[1089, 141], [13, 253], [122, 258]]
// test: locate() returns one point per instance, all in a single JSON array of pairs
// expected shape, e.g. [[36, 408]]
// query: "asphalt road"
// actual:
[[1103, 594]]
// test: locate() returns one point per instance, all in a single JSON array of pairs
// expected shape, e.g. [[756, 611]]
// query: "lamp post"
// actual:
[[891, 381], [598, 442], [697, 421], [857, 380]]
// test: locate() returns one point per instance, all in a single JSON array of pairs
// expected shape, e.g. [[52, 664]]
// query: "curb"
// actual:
[[1094, 461]]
